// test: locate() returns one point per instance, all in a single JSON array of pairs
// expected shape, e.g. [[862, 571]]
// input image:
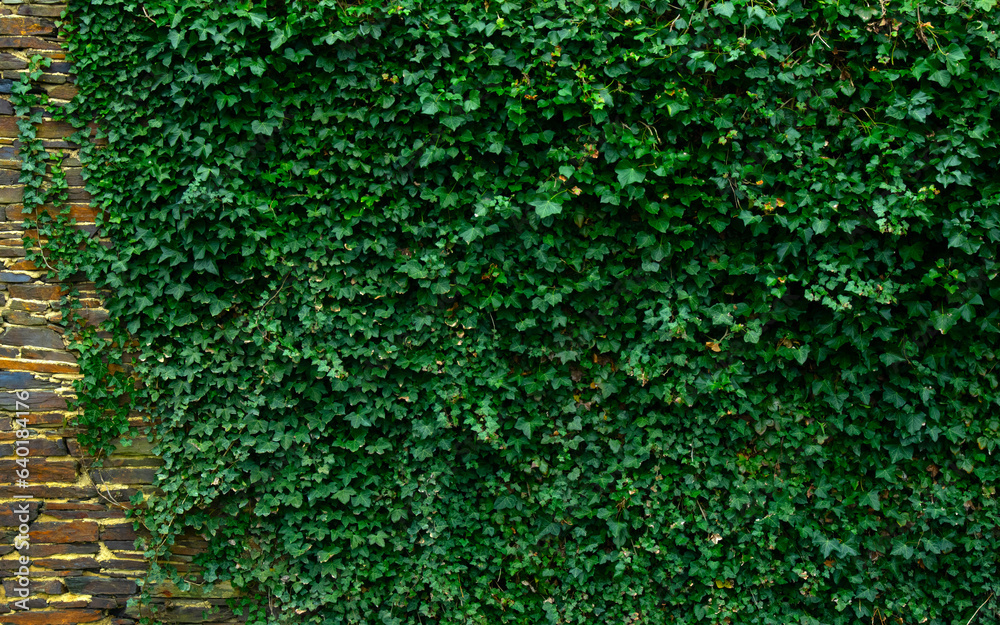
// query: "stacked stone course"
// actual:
[[83, 562]]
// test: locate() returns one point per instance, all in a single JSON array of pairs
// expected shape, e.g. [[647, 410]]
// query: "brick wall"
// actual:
[[83, 565]]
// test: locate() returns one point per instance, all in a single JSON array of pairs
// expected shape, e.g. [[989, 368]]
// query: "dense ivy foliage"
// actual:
[[559, 311]]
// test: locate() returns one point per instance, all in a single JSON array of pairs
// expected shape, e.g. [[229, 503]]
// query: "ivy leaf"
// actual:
[[505, 502], [726, 9], [545, 207], [630, 175]]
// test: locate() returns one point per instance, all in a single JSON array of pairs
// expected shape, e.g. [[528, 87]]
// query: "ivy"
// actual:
[[562, 312]]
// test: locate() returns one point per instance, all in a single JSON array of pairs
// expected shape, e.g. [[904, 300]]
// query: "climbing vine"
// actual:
[[552, 311]]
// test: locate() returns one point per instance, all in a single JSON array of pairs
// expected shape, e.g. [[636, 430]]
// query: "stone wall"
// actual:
[[83, 566]]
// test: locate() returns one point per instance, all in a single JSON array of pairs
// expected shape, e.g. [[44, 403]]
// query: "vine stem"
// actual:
[[979, 608]]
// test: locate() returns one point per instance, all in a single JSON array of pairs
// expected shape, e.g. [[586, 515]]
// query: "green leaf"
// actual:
[[545, 207], [629, 175], [726, 9], [505, 502]]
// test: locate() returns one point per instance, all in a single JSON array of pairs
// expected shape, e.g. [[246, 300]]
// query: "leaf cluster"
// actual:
[[559, 311]]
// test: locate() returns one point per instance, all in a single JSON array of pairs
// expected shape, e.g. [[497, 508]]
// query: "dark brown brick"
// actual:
[[10, 518], [74, 176], [24, 26], [36, 419], [30, 306], [83, 514], [45, 491], [45, 130], [34, 43], [127, 565], [60, 471], [93, 585], [9, 61], [50, 292], [79, 194], [80, 212], [119, 531], [48, 550], [41, 10], [64, 532], [21, 318], [8, 250], [73, 505], [47, 587], [38, 447], [61, 92], [123, 476], [42, 400], [63, 605], [51, 617]]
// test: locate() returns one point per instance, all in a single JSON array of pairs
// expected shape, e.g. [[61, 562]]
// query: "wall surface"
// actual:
[[83, 566]]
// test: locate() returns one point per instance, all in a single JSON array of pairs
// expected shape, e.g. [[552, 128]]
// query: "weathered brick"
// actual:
[[93, 316], [122, 460], [11, 195], [52, 79], [78, 194], [53, 10], [31, 337], [46, 354], [10, 518], [47, 587], [121, 564], [73, 505], [36, 401], [51, 617], [93, 585], [187, 612], [47, 491], [75, 603], [119, 531], [34, 43], [36, 419], [35, 291], [37, 550], [25, 26], [13, 277], [64, 532], [23, 379], [11, 251], [39, 367], [38, 447], [83, 563], [9, 61], [63, 471], [80, 212], [21, 318], [45, 130], [74, 176], [61, 92], [221, 590], [123, 476]]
